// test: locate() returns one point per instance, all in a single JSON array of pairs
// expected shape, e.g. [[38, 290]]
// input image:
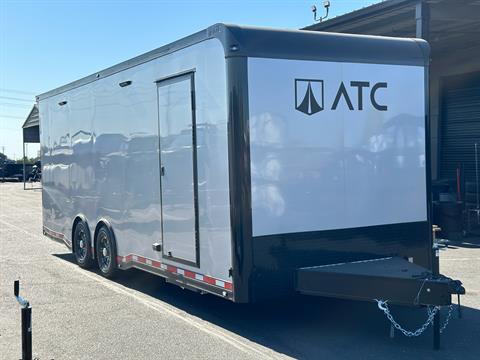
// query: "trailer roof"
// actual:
[[286, 44]]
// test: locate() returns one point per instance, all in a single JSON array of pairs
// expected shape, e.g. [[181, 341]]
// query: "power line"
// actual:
[[16, 99], [16, 105], [17, 91], [11, 116]]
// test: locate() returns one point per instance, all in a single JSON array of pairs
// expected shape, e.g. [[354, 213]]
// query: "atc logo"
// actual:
[[309, 96]]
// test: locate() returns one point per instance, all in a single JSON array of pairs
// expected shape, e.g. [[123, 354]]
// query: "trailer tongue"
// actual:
[[391, 279]]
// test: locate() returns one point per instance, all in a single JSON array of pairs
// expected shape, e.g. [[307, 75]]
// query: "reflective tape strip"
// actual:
[[54, 234], [209, 280], [174, 270], [57, 235]]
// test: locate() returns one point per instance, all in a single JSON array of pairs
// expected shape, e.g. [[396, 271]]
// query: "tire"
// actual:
[[82, 245], [106, 251]]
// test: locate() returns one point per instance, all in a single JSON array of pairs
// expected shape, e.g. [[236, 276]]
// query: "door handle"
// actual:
[[162, 171]]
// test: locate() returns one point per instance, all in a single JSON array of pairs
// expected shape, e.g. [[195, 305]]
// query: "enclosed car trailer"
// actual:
[[252, 164]]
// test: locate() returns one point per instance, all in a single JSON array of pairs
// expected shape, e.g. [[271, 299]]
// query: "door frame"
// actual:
[[182, 76]]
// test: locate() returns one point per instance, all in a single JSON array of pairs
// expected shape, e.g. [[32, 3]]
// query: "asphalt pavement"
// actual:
[[77, 314]]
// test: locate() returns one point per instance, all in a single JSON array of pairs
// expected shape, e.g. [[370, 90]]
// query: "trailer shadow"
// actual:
[[310, 328]]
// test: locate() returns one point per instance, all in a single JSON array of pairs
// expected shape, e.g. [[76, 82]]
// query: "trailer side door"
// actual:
[[178, 154]]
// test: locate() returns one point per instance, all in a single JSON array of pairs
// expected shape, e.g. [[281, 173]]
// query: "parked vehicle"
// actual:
[[242, 161], [13, 171]]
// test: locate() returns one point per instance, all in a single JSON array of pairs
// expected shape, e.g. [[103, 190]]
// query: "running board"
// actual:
[[394, 279]]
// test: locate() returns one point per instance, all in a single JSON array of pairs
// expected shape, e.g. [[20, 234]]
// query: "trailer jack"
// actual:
[[26, 322]]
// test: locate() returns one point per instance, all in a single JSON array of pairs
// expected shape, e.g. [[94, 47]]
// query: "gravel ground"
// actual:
[[77, 314]]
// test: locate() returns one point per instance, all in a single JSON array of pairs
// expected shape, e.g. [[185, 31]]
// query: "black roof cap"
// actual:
[[284, 44]]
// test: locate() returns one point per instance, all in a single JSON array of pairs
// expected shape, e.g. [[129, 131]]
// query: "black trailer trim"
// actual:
[[392, 278], [278, 257], [239, 178], [181, 73]]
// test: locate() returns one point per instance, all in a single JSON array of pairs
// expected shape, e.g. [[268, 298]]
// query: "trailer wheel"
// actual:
[[106, 252], [81, 245]]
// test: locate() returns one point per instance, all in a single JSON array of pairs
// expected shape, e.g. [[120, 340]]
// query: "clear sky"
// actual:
[[46, 44]]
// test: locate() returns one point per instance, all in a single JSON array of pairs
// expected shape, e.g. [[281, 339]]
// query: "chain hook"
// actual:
[[382, 304]]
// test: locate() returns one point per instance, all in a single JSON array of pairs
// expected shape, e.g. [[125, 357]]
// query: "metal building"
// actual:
[[31, 135]]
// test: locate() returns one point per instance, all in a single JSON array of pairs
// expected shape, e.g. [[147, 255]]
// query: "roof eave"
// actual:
[[368, 11], [24, 126]]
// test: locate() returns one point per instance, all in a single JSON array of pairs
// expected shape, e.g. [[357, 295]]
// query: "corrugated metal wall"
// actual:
[[460, 126]]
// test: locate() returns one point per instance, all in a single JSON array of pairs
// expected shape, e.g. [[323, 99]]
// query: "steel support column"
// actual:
[[422, 20]]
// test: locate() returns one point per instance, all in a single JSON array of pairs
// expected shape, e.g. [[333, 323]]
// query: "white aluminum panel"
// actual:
[[315, 166]]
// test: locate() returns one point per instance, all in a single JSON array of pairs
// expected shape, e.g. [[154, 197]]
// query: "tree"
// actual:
[[32, 160], [3, 158]]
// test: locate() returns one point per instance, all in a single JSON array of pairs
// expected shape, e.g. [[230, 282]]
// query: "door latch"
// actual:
[[162, 171]]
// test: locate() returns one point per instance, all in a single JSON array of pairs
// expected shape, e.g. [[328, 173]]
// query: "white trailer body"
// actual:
[[103, 158], [230, 159]]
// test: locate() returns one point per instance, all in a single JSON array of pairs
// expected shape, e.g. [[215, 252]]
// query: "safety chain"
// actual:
[[447, 319], [432, 311]]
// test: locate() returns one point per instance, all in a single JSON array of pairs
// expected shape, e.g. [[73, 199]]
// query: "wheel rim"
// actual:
[[81, 244], [104, 252]]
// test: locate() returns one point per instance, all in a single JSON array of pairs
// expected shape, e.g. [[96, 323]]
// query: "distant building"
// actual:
[[31, 127]]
